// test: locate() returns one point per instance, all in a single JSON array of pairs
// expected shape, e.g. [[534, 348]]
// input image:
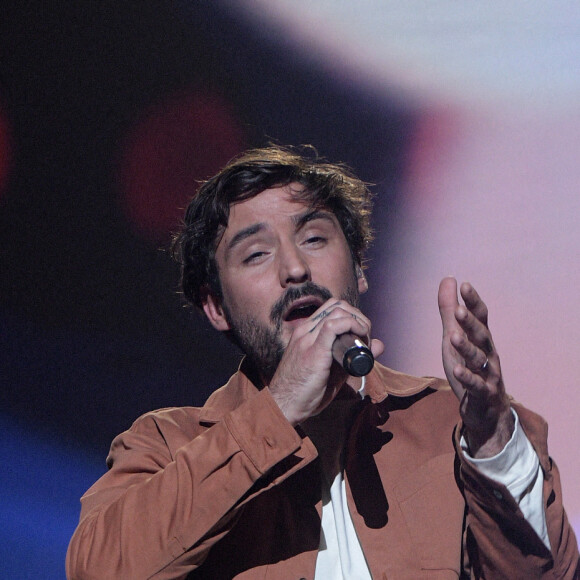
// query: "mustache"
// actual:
[[294, 293]]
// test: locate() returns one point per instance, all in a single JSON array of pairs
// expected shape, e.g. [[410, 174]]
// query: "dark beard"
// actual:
[[262, 345]]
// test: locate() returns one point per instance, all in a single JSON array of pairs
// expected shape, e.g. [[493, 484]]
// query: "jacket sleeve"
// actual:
[[500, 542], [156, 514]]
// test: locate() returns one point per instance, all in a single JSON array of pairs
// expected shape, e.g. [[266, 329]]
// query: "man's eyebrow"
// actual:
[[314, 214], [243, 234], [299, 221]]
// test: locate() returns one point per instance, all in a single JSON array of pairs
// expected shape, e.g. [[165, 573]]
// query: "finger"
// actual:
[[471, 382], [447, 300], [355, 312], [474, 302], [339, 309], [473, 319], [477, 332], [447, 294], [474, 357], [336, 322]]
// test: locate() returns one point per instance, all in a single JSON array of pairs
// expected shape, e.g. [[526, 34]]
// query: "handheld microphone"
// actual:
[[353, 355]]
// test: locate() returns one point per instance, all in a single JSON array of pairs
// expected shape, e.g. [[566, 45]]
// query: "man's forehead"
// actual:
[[288, 200]]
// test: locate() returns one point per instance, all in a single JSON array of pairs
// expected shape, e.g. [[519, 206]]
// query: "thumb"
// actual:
[[377, 347], [448, 302]]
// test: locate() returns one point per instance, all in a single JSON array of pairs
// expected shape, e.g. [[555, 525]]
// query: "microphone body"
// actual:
[[350, 352]]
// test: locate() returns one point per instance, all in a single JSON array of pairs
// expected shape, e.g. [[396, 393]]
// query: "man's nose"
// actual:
[[294, 268]]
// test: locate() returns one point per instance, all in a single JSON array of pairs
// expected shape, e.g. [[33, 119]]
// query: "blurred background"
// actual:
[[465, 117]]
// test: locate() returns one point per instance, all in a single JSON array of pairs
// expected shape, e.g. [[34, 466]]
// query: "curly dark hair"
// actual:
[[329, 186]]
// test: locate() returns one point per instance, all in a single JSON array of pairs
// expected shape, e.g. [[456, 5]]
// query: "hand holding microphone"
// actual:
[[304, 384]]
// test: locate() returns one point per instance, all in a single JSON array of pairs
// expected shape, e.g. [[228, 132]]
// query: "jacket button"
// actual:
[[497, 494]]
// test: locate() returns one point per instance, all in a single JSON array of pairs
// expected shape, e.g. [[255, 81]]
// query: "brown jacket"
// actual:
[[231, 490]]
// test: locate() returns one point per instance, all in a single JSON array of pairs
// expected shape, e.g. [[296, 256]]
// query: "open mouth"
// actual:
[[302, 309]]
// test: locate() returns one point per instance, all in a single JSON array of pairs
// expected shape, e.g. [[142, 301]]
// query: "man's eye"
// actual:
[[315, 240], [253, 257]]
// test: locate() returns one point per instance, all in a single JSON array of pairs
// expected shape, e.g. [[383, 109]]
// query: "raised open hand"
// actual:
[[473, 369]]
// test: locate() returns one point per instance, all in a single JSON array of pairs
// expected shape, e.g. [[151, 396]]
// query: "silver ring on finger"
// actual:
[[484, 366]]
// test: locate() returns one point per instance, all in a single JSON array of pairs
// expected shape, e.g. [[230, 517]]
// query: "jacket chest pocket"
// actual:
[[433, 510]]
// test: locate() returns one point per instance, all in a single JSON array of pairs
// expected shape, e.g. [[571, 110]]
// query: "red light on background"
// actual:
[[183, 141]]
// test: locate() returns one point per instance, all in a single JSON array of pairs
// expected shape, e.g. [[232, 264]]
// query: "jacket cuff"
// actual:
[[515, 466], [534, 427]]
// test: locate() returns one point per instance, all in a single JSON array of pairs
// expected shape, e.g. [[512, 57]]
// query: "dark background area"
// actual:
[[110, 113]]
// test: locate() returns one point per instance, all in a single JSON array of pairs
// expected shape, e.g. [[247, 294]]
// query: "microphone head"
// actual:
[[358, 360]]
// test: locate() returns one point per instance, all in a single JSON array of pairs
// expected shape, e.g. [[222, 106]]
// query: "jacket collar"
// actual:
[[380, 383], [383, 381]]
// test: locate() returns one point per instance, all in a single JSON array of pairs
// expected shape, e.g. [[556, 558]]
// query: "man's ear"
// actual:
[[212, 307], [362, 281]]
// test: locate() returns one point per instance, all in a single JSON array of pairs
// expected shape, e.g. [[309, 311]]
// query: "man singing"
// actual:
[[296, 468]]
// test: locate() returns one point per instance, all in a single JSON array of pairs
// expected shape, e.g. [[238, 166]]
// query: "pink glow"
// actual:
[[494, 199]]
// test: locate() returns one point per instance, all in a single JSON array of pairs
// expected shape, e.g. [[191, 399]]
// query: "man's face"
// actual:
[[278, 261]]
